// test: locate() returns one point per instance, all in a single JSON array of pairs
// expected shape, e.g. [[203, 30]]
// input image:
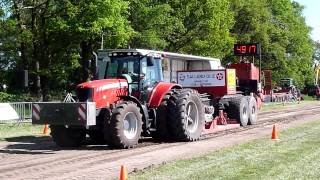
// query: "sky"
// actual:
[[312, 14]]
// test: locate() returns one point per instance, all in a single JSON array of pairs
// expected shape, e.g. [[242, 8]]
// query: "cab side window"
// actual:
[[154, 71]]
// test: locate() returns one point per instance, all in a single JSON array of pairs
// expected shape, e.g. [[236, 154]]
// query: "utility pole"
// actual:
[[102, 40]]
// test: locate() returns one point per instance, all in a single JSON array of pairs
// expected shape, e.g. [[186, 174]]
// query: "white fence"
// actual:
[[15, 112]]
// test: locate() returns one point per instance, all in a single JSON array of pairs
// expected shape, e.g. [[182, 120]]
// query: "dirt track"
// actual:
[[39, 158]]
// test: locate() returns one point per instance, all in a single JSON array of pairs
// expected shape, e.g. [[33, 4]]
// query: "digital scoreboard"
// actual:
[[251, 49]]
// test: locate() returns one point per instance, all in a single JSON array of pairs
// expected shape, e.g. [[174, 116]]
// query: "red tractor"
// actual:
[[152, 93]]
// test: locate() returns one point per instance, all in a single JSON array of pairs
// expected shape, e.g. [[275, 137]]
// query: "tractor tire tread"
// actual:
[[114, 130], [177, 109]]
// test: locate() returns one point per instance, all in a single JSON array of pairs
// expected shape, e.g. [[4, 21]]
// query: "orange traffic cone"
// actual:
[[274, 135], [45, 129], [123, 173]]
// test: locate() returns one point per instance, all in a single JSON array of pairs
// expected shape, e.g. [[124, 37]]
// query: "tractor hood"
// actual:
[[104, 84], [103, 92]]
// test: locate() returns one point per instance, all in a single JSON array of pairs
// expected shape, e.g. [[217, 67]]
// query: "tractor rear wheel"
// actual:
[[252, 110], [125, 126], [238, 109], [161, 122], [185, 115], [67, 137]]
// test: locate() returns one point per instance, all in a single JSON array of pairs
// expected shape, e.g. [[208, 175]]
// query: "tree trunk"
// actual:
[[44, 88], [35, 52], [86, 55]]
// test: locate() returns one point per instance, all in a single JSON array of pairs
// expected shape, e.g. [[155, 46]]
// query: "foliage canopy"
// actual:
[[55, 39]]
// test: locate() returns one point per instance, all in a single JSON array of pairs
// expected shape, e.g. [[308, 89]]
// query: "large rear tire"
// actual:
[[161, 123], [252, 110], [125, 126], [185, 115], [67, 137], [238, 109]]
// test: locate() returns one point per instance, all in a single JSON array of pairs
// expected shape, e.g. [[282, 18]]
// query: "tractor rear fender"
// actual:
[[159, 92]]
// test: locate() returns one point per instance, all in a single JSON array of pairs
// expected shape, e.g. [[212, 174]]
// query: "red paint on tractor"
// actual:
[[106, 91], [159, 92]]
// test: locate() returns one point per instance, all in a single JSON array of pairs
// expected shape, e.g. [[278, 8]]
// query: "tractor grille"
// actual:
[[84, 94]]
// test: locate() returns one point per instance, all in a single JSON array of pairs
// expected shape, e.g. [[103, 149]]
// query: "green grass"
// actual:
[[295, 156], [279, 105], [308, 98], [18, 130]]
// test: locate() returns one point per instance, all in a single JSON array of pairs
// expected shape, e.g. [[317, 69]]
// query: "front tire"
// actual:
[[125, 126], [186, 116], [67, 137]]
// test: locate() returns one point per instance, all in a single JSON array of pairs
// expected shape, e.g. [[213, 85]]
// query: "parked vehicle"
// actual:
[[286, 91]]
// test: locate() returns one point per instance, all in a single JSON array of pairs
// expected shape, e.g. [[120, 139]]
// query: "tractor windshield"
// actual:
[[132, 68], [127, 67], [285, 83]]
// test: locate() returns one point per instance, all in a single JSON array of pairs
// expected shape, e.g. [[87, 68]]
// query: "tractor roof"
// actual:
[[145, 52]]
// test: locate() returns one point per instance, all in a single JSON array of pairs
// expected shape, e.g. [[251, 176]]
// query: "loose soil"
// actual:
[[39, 158]]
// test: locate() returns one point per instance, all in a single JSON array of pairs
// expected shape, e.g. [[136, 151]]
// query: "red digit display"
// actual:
[[252, 49], [243, 49], [247, 49], [238, 48]]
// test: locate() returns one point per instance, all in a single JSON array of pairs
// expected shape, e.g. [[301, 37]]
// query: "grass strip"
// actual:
[[19, 130], [295, 156], [280, 105]]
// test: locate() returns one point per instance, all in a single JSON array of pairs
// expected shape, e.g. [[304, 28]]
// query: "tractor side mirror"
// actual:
[[150, 61]]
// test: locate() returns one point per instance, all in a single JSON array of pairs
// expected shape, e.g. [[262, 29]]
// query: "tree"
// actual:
[[9, 52], [55, 39], [150, 20], [281, 29], [295, 39], [194, 27], [86, 21], [201, 27], [316, 54], [52, 32]]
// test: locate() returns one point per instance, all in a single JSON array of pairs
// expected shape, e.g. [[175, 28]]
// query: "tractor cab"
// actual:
[[286, 83], [141, 71]]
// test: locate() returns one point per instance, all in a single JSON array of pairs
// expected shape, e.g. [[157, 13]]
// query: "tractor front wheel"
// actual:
[[125, 126]]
